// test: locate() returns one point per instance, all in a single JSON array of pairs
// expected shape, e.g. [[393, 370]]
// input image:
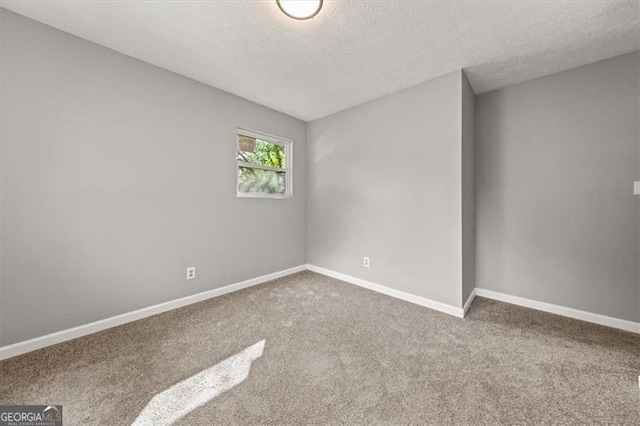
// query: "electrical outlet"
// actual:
[[366, 262], [191, 272]]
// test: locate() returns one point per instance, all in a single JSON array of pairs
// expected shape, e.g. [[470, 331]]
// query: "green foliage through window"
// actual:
[[261, 181], [261, 153], [264, 153]]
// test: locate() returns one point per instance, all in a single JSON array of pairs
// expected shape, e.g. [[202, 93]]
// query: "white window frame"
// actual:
[[288, 169]]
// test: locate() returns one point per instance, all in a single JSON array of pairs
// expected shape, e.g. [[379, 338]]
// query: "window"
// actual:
[[264, 165]]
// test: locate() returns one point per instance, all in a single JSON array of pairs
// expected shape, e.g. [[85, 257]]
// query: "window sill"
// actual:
[[259, 195]]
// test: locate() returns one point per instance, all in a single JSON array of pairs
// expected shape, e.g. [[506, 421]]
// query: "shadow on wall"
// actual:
[[339, 214]]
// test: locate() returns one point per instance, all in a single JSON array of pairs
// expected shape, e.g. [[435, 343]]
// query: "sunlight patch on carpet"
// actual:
[[192, 393]]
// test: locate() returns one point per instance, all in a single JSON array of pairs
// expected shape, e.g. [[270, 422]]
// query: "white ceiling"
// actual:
[[353, 51]]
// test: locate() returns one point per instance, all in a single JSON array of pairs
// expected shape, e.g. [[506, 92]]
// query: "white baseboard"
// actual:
[[621, 324], [83, 330], [468, 303], [422, 301]]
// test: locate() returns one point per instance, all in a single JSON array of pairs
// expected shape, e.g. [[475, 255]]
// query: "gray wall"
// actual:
[[468, 190], [557, 221], [385, 182], [116, 176]]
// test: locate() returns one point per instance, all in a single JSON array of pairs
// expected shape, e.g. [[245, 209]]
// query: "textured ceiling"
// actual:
[[353, 51]]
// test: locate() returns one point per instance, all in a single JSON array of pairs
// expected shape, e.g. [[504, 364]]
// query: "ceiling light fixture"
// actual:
[[300, 9]]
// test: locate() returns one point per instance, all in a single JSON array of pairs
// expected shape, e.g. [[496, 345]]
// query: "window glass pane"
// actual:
[[251, 181], [260, 152]]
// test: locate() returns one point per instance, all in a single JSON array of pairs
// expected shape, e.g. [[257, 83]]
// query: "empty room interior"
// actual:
[[320, 212]]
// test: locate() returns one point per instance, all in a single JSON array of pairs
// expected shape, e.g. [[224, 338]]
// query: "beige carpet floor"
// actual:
[[307, 349]]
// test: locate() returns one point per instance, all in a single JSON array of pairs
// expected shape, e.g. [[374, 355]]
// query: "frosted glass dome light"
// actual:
[[300, 9]]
